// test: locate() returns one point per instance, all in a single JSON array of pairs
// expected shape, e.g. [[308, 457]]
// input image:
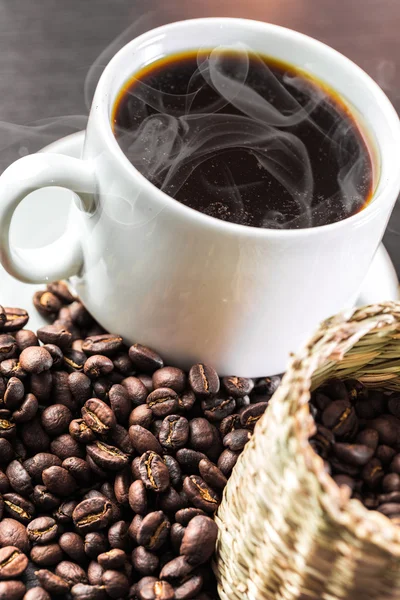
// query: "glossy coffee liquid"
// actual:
[[246, 139]]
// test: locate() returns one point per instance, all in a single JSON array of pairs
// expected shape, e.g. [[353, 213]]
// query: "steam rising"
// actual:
[[172, 142]]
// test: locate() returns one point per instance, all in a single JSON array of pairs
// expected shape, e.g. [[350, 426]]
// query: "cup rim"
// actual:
[[101, 102]]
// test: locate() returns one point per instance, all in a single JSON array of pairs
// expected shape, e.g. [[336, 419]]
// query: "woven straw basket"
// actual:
[[286, 529]]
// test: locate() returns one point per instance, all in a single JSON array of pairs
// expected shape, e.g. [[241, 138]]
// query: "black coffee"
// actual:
[[246, 139]]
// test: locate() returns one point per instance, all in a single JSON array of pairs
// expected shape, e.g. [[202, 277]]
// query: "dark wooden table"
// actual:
[[47, 48]]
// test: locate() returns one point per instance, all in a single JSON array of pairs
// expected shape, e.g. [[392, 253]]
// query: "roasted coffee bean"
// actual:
[[395, 464], [212, 475], [144, 561], [116, 584], [153, 530], [13, 562], [345, 481], [105, 344], [201, 434], [137, 391], [391, 483], [55, 334], [368, 437], [95, 544], [4, 483], [12, 590], [170, 377], [112, 559], [107, 457], [141, 415], [7, 429], [43, 499], [64, 512], [163, 402], [56, 354], [60, 392], [37, 593], [199, 540], [356, 391], [189, 459], [3, 317], [38, 463], [138, 497], [79, 469], [71, 572], [143, 440], [154, 472], [394, 405], [80, 315], [122, 482], [185, 515], [98, 416], [80, 386], [59, 481], [56, 419], [372, 407], [120, 403], [171, 501], [19, 478], [340, 417], [73, 546], [354, 454], [6, 451], [47, 555], [267, 386], [92, 515], [17, 507], [95, 573], [236, 440], [250, 415], [52, 583], [227, 461], [97, 471], [27, 411], [200, 494], [13, 533], [60, 289], [134, 526], [176, 536], [123, 364], [174, 432], [388, 428], [14, 393], [217, 409], [98, 366], [229, 424], [16, 318], [118, 536], [186, 401], [204, 381], [385, 454], [8, 347], [82, 591], [34, 436], [323, 441], [46, 303], [74, 361], [373, 473], [35, 359], [238, 386], [41, 386], [12, 368], [81, 432], [158, 590], [145, 359], [175, 472]]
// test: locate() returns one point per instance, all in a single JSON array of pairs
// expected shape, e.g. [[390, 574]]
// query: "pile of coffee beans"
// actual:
[[112, 464], [358, 436]]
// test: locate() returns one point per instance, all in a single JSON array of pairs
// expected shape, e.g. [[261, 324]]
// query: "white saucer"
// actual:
[[52, 205]]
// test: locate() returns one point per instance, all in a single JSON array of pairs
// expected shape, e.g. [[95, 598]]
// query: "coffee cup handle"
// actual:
[[64, 257]]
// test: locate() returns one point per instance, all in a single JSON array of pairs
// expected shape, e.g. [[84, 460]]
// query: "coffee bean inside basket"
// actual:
[[358, 436], [112, 465]]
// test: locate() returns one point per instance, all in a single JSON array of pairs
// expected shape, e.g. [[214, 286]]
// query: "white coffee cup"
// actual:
[[193, 287]]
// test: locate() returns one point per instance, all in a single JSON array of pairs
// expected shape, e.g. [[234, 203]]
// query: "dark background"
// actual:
[[47, 48]]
